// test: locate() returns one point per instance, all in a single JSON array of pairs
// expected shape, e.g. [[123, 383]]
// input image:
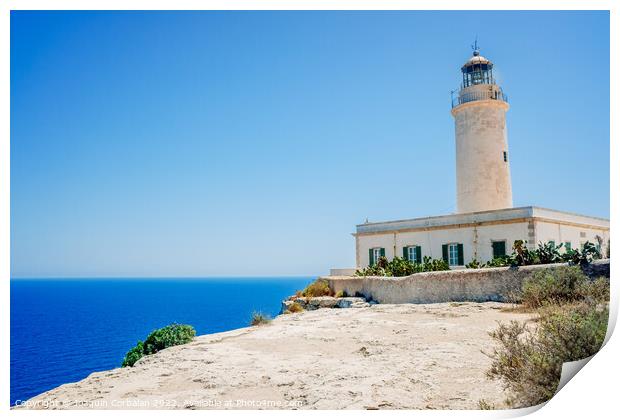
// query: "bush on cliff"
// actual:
[[134, 355], [169, 336], [530, 362], [259, 318], [572, 321], [159, 339], [295, 308], [317, 288]]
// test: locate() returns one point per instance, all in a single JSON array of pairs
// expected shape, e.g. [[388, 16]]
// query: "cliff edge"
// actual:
[[383, 356]]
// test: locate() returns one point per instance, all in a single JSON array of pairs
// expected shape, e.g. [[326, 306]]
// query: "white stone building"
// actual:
[[485, 225]]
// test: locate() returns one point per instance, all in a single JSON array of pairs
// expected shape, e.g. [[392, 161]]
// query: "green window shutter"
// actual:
[[567, 246], [418, 254], [444, 252], [370, 255], [499, 249], [460, 251], [382, 252], [405, 253]]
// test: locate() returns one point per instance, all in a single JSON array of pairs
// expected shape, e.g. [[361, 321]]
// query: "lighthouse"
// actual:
[[482, 158], [485, 225]]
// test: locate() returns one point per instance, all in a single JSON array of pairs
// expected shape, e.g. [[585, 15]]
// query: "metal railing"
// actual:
[[479, 95]]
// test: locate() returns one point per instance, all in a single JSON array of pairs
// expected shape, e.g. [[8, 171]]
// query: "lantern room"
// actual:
[[477, 71]]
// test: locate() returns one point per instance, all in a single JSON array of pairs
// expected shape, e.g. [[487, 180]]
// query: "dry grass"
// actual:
[[317, 288], [294, 308], [259, 318]]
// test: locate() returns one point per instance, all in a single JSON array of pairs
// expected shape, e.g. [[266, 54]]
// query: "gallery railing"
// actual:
[[480, 95]]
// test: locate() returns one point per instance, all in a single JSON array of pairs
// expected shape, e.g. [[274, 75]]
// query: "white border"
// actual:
[[593, 394]]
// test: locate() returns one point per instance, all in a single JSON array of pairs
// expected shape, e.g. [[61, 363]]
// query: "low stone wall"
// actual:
[[468, 285], [342, 271]]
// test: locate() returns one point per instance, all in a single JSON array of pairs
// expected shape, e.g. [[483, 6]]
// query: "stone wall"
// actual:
[[473, 285]]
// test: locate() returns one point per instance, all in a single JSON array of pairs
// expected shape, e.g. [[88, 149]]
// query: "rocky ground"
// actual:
[[379, 357]]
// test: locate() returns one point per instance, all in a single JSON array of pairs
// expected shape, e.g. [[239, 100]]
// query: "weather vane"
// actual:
[[475, 45]]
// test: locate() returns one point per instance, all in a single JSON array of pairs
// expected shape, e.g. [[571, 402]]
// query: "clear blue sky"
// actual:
[[252, 143]]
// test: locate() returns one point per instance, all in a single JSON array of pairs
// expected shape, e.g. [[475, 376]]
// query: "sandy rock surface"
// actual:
[[384, 356]]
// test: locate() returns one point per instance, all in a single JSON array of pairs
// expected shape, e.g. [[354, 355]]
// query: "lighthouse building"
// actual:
[[485, 224]]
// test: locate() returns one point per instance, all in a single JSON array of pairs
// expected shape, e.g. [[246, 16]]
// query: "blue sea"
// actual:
[[62, 330]]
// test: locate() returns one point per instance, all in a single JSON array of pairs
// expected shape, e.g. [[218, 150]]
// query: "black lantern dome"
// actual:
[[477, 70]]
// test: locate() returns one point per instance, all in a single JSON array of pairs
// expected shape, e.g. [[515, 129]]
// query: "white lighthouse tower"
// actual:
[[482, 167]]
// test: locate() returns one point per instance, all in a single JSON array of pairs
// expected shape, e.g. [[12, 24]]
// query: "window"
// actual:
[[374, 254], [505, 156], [568, 246], [453, 254], [499, 248], [412, 254]]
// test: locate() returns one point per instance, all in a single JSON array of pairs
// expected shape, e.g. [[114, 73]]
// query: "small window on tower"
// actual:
[[505, 156]]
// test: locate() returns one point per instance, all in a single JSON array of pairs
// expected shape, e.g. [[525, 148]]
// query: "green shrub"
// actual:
[[585, 256], [594, 292], [171, 335], [530, 362], [474, 264], [549, 253], [372, 270], [258, 318], [133, 355], [400, 267], [573, 314], [430, 264], [521, 255], [560, 285], [552, 286], [317, 288], [545, 253], [504, 261]]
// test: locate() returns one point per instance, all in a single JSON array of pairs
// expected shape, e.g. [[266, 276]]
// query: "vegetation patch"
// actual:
[[572, 321], [561, 285], [295, 307], [259, 318], [545, 253], [171, 335], [317, 288], [400, 267], [340, 294]]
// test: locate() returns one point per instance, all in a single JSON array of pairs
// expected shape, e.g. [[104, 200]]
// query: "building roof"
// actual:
[[480, 217]]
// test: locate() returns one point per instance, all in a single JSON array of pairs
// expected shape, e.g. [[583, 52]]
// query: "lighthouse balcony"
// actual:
[[479, 95]]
